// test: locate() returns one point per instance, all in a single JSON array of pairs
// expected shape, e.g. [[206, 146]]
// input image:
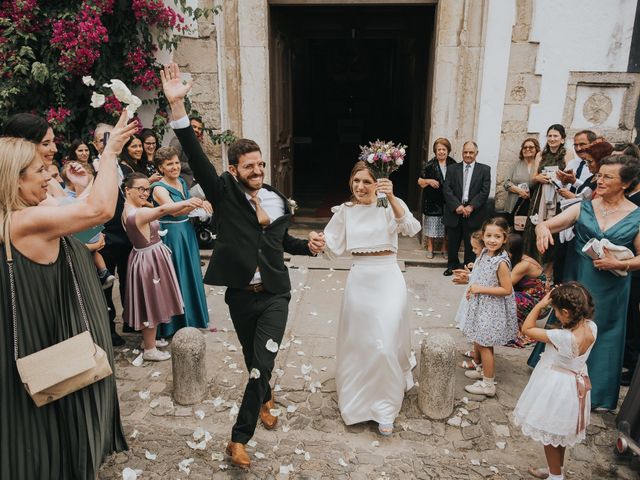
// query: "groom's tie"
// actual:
[[263, 217]]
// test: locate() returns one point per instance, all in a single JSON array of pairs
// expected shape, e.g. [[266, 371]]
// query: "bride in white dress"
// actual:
[[374, 361]]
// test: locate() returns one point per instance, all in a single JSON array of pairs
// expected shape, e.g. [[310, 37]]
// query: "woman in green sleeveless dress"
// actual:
[[613, 217], [180, 237], [70, 437]]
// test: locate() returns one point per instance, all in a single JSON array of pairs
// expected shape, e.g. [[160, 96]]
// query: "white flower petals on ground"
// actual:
[[134, 434], [183, 466], [501, 445], [292, 408], [286, 428], [199, 414], [155, 374], [277, 388], [275, 411], [149, 455], [154, 403], [279, 372], [198, 433], [138, 361], [217, 401], [475, 462], [300, 353], [252, 443], [197, 446], [259, 455], [342, 462], [375, 443], [144, 395], [313, 314], [307, 456], [286, 469], [223, 466], [306, 369], [217, 457], [234, 410], [299, 451], [232, 348], [272, 346], [130, 473], [255, 373], [315, 386]]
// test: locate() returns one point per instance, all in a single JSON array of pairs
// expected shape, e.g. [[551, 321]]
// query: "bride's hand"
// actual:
[[385, 186]]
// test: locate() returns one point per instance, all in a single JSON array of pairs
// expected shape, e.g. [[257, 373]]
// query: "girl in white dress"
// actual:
[[374, 361], [555, 405]]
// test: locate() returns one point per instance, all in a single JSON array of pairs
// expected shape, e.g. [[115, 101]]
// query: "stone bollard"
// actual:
[[437, 376], [187, 362]]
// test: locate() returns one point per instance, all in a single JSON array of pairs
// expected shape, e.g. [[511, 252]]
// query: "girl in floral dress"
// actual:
[[487, 314]]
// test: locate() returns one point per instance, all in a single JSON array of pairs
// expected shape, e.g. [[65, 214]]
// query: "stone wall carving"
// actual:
[[605, 102]]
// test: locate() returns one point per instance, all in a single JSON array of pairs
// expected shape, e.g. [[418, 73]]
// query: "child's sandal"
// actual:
[[468, 354], [470, 365], [539, 472]]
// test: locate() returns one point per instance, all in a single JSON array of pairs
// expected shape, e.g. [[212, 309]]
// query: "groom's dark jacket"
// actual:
[[241, 244]]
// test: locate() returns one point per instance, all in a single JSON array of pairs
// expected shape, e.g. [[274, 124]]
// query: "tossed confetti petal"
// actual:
[[275, 411], [286, 428], [292, 408], [255, 373], [252, 443], [272, 346], [259, 455], [129, 474], [286, 469], [306, 369], [199, 414], [342, 462], [307, 456], [183, 466], [149, 455], [217, 457], [144, 395]]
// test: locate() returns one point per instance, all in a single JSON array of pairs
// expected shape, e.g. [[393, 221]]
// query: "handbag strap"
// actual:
[[12, 285]]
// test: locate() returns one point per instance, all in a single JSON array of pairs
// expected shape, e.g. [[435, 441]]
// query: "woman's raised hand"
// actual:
[[174, 88], [192, 203], [120, 134], [385, 186]]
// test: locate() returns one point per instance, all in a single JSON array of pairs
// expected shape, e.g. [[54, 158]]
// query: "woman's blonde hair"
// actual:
[[16, 154]]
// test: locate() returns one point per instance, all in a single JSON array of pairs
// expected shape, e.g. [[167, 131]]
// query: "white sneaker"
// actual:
[[482, 388], [159, 343], [474, 374], [155, 355]]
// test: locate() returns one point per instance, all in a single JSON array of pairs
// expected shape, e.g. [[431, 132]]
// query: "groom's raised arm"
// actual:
[[175, 90]]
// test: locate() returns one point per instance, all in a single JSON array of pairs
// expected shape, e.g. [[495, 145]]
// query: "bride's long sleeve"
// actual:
[[406, 225], [335, 234]]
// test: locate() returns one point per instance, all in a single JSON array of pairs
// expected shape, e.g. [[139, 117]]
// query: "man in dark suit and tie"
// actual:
[[466, 190], [252, 221]]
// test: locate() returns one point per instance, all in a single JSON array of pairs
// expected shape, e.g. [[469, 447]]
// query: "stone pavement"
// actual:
[[169, 441]]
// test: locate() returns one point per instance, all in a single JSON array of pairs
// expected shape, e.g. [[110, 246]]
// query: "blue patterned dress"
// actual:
[[181, 239]]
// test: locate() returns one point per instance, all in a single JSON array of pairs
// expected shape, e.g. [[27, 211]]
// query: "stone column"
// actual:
[[187, 361], [437, 376]]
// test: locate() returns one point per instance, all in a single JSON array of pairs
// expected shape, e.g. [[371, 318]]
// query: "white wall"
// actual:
[[500, 20], [576, 35]]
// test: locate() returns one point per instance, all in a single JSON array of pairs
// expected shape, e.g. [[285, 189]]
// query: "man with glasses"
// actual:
[[577, 170], [252, 219]]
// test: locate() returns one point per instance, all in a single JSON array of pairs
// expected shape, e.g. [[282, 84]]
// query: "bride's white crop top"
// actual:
[[356, 228]]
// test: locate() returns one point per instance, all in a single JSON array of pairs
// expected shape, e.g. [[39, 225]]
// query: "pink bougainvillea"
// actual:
[[141, 63]]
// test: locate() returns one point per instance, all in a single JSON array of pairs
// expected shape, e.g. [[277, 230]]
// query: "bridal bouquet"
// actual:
[[382, 159]]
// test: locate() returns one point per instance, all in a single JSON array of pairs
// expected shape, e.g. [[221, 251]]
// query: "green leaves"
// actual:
[[39, 72]]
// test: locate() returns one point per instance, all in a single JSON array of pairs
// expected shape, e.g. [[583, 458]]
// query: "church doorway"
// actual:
[[340, 77]]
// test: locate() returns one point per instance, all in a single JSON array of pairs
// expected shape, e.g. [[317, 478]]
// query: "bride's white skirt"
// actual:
[[374, 360]]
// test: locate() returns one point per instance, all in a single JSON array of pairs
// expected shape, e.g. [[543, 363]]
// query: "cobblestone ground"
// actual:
[[169, 441]]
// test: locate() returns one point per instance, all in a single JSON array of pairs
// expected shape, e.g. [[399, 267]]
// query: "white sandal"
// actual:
[[470, 366]]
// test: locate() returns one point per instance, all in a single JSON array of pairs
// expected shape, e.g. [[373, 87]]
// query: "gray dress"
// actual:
[[488, 320]]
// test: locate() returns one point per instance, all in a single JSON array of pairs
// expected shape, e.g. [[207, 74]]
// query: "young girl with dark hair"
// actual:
[[554, 407]]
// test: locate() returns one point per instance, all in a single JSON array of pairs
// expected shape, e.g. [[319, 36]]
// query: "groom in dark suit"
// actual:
[[252, 220], [466, 190]]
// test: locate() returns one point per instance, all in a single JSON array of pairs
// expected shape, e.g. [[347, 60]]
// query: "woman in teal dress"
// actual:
[[613, 217], [180, 237]]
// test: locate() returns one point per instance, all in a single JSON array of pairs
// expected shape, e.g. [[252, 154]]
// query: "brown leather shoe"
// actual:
[[238, 454], [268, 420]]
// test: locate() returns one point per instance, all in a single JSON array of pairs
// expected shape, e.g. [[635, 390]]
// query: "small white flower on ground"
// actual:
[[138, 361], [183, 466], [259, 455], [252, 443], [149, 455], [272, 346], [217, 457], [275, 412], [234, 409], [217, 401], [197, 446], [342, 462], [199, 414], [475, 462], [375, 443], [286, 428], [198, 433], [232, 348], [134, 434], [223, 466], [307, 456], [305, 369], [88, 81], [300, 353], [277, 388], [313, 314], [130, 473], [144, 395], [279, 372], [255, 373], [299, 451], [155, 374], [97, 100], [286, 469], [493, 469], [501, 445], [154, 403]]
